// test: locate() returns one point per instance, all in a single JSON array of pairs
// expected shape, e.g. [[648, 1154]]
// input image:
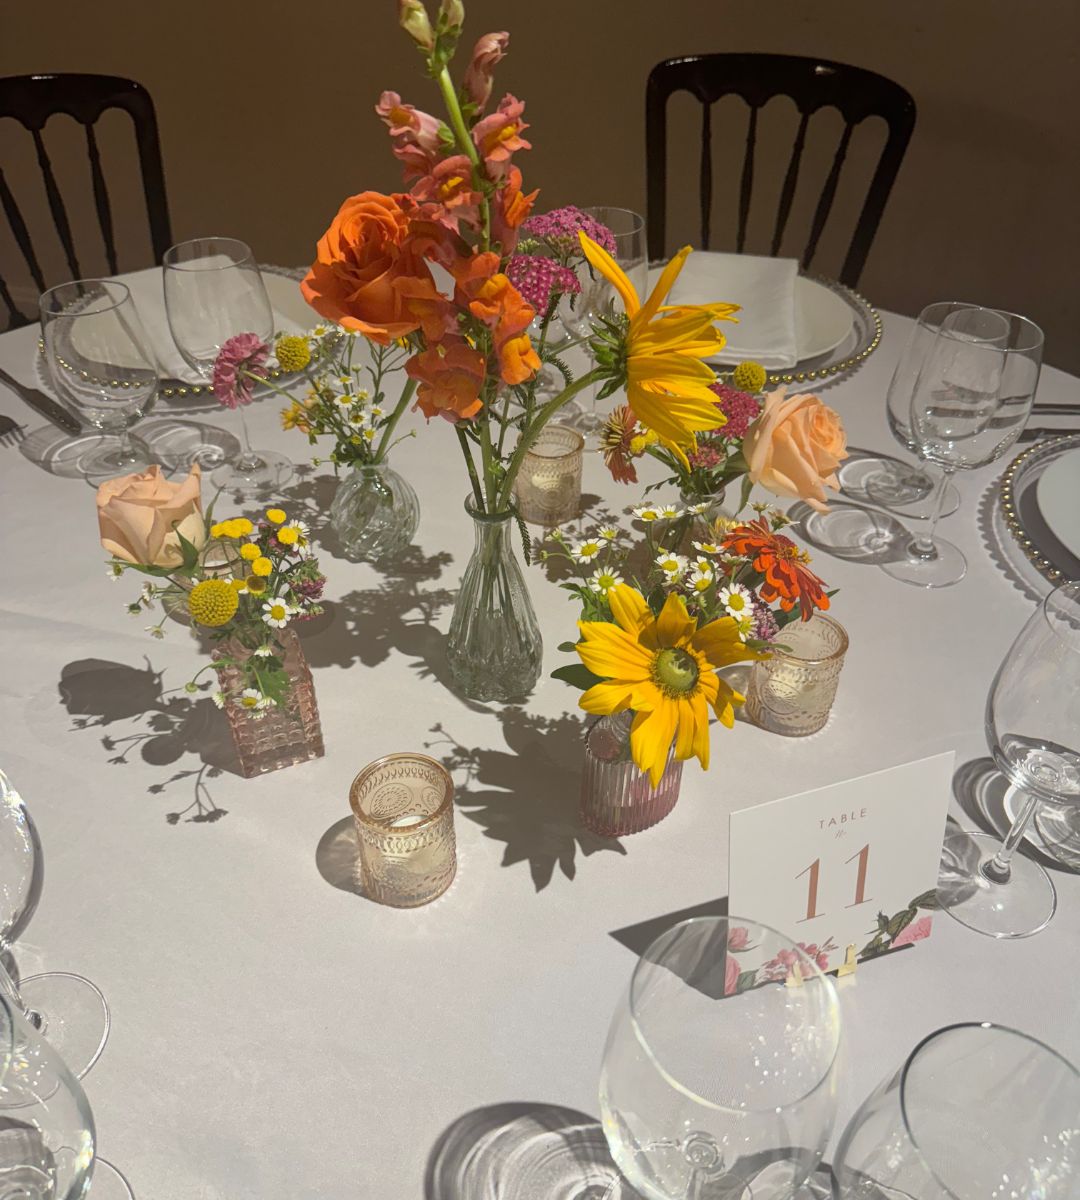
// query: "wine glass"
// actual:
[[68, 1009], [46, 1127], [578, 313], [976, 1112], [1033, 730], [100, 361], [213, 291], [719, 1073], [970, 403]]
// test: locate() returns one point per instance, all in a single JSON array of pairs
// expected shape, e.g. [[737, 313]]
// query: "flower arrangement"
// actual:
[[240, 582], [791, 445], [657, 625]]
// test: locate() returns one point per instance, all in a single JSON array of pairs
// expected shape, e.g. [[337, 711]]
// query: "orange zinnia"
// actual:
[[783, 563]]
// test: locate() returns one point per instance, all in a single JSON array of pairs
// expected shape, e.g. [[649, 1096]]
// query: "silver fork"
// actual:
[[11, 432]]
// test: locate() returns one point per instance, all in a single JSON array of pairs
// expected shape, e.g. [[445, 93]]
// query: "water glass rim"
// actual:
[[171, 263], [1035, 337], [809, 970], [637, 225], [909, 1062], [387, 826], [117, 292], [839, 652], [579, 443]]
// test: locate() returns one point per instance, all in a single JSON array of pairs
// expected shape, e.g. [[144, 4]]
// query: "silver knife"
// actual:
[[43, 404]]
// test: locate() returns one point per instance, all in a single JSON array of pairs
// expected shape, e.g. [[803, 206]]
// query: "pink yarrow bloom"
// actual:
[[560, 227], [740, 408], [240, 358], [489, 50], [498, 135], [417, 137], [538, 279]]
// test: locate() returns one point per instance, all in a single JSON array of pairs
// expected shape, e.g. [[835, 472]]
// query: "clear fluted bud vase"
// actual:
[[494, 649], [268, 739], [374, 513], [616, 797]]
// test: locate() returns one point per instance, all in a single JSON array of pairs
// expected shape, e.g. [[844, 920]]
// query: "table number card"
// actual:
[[850, 864]]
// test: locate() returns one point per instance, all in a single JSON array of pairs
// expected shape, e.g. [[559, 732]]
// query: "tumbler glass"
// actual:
[[792, 692], [548, 487], [403, 806]]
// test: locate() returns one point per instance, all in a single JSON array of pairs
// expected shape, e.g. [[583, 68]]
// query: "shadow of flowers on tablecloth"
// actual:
[[164, 728], [526, 795]]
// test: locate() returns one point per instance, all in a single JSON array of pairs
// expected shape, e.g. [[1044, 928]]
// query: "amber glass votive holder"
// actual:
[[403, 806], [792, 692], [548, 485]]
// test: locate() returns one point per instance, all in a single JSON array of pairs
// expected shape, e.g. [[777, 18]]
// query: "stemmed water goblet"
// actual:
[[214, 291], [976, 1112], [969, 404], [99, 360], [718, 1078], [1033, 730], [68, 1009]]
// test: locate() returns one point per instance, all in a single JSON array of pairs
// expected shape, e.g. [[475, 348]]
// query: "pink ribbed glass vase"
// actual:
[[616, 797]]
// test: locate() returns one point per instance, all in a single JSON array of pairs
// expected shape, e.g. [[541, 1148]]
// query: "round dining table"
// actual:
[[275, 1033]]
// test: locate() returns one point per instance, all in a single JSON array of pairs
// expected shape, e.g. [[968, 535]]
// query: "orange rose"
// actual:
[[794, 448], [363, 260], [140, 516], [451, 375]]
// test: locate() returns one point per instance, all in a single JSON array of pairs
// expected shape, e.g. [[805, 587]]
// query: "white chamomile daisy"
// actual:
[[673, 565], [702, 506], [345, 400], [114, 571], [264, 651], [701, 581], [608, 532], [646, 512], [369, 435], [254, 699], [585, 551], [363, 394], [276, 613], [603, 580], [376, 411], [670, 512], [707, 547], [218, 698], [744, 626], [736, 600]]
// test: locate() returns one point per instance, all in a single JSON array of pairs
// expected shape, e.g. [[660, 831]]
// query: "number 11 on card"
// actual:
[[814, 871]]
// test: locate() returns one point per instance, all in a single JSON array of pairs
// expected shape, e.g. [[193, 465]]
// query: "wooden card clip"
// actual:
[[847, 967]]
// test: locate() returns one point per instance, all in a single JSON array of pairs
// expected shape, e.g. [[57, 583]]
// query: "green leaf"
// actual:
[[567, 647], [744, 495], [576, 675], [188, 549]]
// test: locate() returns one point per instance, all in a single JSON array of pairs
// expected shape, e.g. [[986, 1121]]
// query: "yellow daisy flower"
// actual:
[[664, 669], [250, 551], [262, 566], [667, 384], [276, 516], [288, 535]]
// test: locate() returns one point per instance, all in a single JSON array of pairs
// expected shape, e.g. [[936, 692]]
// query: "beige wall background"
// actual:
[[266, 122]]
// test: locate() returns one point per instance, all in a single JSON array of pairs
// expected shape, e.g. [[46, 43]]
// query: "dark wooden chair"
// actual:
[[32, 100], [812, 84]]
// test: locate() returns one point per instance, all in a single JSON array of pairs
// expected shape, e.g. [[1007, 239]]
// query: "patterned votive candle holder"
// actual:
[[403, 806], [792, 692], [548, 487]]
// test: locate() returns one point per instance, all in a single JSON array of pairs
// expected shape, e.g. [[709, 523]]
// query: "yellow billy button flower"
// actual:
[[667, 384], [262, 566], [749, 376], [249, 551], [293, 352], [276, 516], [664, 669], [213, 602]]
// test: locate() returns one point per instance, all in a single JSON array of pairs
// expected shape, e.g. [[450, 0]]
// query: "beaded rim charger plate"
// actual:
[[1019, 508]]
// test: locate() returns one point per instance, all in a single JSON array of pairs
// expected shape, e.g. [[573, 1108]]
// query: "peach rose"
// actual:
[[141, 516], [363, 264], [794, 448]]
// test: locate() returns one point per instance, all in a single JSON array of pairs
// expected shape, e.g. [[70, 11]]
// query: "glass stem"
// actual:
[[248, 459], [126, 451], [997, 870], [923, 546]]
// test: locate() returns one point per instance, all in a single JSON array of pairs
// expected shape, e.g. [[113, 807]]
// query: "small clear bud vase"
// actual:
[[616, 797], [374, 512], [271, 738], [494, 649]]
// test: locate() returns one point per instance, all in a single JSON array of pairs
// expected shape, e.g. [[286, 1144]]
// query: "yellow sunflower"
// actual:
[[667, 384], [664, 668]]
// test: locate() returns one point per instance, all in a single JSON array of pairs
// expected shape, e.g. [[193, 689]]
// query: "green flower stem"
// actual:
[[532, 432], [461, 132], [477, 491], [388, 428]]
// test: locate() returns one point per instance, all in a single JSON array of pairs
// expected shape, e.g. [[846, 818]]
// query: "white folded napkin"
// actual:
[[764, 287], [291, 315]]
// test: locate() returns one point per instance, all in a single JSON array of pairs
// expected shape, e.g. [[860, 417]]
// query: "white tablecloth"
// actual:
[[275, 1034]]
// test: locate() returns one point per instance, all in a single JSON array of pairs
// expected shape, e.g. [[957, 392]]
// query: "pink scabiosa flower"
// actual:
[[498, 135], [488, 51], [240, 358], [740, 408], [417, 137], [538, 279]]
